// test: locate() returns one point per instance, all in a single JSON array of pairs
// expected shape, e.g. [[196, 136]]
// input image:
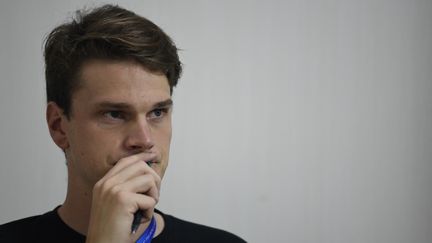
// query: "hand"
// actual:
[[129, 186]]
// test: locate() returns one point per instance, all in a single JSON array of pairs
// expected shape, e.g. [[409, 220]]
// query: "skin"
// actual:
[[120, 118]]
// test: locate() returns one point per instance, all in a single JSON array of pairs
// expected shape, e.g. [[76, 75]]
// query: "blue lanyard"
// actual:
[[148, 234]]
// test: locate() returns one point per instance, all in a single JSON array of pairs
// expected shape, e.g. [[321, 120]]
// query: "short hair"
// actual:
[[108, 32]]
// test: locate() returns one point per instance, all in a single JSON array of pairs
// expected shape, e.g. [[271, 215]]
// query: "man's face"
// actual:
[[119, 109]]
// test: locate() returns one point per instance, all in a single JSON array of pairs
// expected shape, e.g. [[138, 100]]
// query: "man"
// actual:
[[110, 75]]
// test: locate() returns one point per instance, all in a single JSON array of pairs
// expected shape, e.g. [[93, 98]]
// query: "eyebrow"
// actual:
[[163, 104], [123, 105]]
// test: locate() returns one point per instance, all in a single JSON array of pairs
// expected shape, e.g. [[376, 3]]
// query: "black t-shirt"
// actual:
[[50, 228]]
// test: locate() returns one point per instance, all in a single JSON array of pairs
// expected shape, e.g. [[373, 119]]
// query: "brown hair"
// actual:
[[107, 32]]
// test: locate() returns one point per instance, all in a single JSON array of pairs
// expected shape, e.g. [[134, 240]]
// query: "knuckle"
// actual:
[[106, 186], [122, 160], [100, 186], [151, 181], [115, 190], [154, 202], [158, 178], [151, 202], [122, 197], [141, 168]]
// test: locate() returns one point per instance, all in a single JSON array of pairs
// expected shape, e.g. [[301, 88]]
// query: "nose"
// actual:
[[139, 137]]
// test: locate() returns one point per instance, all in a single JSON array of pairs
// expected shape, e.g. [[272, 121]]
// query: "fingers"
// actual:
[[136, 200], [135, 170], [127, 161], [129, 186], [127, 174], [145, 184], [145, 202], [131, 175]]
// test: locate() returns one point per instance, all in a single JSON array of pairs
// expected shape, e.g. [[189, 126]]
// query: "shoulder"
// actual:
[[17, 225], [47, 227], [181, 230], [13, 231]]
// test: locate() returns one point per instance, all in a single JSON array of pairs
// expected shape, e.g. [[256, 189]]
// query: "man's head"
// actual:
[[105, 33], [110, 75]]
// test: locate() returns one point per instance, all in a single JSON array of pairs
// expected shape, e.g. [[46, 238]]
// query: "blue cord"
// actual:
[[148, 234]]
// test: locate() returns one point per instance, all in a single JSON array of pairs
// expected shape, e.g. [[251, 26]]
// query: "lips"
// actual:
[[153, 159], [150, 163]]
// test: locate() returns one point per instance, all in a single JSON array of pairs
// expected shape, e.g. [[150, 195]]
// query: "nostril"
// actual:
[[150, 146], [139, 141], [136, 149]]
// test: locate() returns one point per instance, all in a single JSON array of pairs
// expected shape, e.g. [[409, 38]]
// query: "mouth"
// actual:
[[153, 160], [150, 163]]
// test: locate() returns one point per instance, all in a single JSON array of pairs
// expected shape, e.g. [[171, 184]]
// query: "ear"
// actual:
[[56, 124]]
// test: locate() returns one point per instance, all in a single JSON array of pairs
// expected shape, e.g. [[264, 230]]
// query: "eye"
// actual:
[[114, 115], [158, 113]]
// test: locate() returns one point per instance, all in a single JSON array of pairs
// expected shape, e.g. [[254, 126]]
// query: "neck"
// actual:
[[75, 211]]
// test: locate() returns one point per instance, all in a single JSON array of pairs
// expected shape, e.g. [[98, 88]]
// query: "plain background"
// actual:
[[294, 121]]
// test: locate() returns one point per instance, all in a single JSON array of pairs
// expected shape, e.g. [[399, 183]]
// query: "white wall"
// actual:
[[295, 121]]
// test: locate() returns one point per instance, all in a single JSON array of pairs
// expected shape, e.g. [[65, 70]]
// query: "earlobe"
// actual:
[[55, 120]]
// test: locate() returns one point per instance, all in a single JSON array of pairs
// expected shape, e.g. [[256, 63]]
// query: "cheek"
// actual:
[[90, 147], [168, 133], [165, 140], [163, 144]]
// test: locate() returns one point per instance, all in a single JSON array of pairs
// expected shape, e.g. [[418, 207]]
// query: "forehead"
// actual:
[[120, 80]]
